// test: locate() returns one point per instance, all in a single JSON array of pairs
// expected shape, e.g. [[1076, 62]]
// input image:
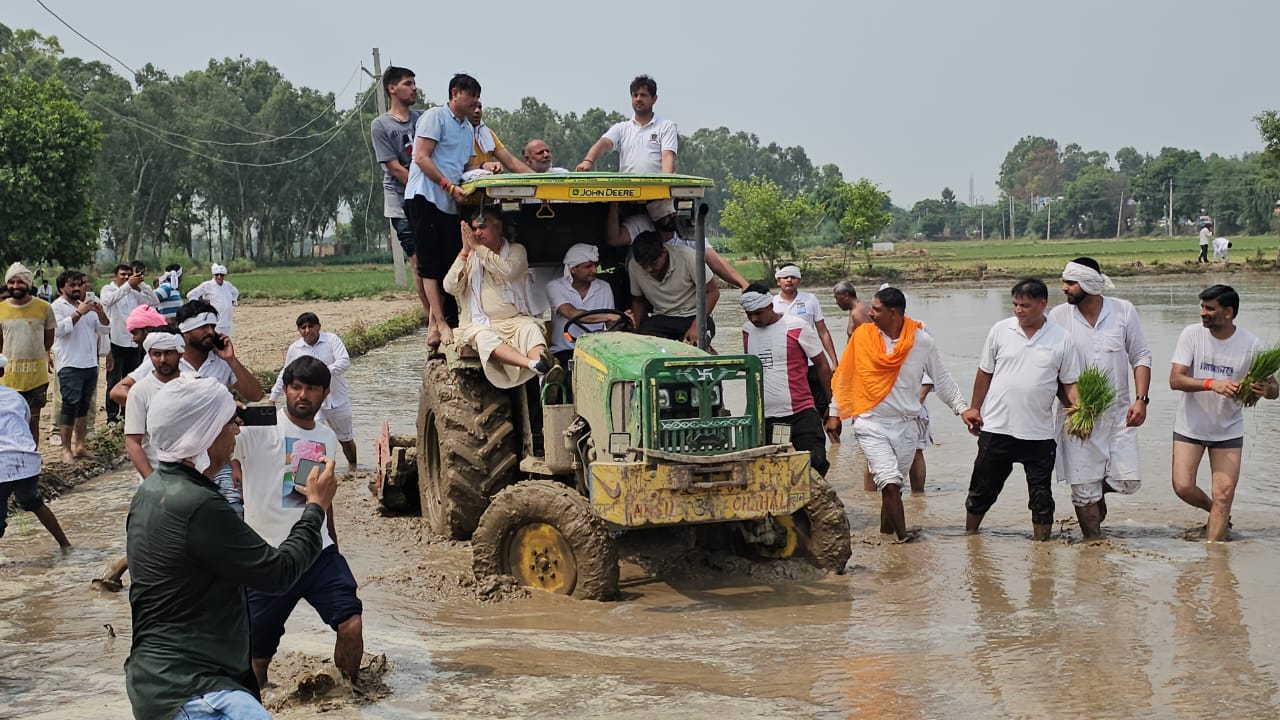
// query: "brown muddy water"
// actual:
[[1145, 624]]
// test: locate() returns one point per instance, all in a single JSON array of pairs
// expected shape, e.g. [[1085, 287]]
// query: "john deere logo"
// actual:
[[589, 193]]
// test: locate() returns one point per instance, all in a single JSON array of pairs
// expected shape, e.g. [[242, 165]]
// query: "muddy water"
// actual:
[[1146, 624]]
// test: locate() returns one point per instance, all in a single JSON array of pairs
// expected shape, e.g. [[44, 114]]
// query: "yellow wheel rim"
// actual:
[[539, 557], [788, 525]]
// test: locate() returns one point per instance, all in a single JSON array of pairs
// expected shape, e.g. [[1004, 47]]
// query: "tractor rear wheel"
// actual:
[[466, 447], [544, 534]]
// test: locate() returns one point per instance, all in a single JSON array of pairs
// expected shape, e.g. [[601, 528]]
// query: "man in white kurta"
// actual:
[[490, 280], [1107, 335], [221, 294]]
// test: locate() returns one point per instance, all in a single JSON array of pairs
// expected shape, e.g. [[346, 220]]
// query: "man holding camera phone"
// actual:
[[271, 462], [127, 290]]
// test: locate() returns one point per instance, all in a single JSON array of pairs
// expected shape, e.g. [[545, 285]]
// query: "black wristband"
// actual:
[[1146, 399]]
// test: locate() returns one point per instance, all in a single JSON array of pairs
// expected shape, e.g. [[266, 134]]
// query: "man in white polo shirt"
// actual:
[[1209, 362], [1025, 362], [646, 143]]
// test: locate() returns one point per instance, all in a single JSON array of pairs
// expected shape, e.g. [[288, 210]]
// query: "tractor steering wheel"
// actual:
[[622, 321]]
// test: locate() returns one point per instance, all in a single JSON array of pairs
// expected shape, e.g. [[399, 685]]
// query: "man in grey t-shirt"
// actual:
[[392, 134]]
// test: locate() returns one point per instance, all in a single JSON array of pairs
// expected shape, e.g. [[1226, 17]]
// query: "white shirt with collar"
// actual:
[[222, 297], [119, 301], [640, 147], [75, 343], [923, 362], [328, 350], [1025, 376], [1114, 345]]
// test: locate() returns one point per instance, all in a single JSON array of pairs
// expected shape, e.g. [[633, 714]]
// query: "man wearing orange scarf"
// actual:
[[878, 384]]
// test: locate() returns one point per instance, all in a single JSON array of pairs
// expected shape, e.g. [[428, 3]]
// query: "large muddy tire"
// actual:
[[822, 527], [544, 534], [466, 447]]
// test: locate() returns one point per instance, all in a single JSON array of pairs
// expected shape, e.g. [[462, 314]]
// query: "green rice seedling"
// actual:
[[1095, 393], [1265, 364]]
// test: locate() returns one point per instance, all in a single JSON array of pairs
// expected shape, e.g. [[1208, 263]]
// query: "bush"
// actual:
[[241, 266]]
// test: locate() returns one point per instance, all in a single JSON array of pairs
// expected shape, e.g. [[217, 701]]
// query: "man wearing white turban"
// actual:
[[778, 339], [26, 337], [1107, 335], [191, 558], [577, 291], [221, 294]]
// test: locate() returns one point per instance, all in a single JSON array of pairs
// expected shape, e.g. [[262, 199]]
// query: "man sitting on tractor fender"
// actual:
[[490, 278], [664, 278]]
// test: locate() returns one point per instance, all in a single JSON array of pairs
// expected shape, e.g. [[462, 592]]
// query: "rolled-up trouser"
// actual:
[[889, 445], [806, 435], [996, 455]]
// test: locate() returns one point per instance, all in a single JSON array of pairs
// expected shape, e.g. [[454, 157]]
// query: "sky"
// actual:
[[912, 95]]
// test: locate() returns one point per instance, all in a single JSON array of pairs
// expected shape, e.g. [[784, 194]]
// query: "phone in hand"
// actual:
[[220, 343], [303, 473], [256, 415]]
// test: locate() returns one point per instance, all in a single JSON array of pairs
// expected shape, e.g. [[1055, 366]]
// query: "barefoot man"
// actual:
[[1209, 362], [878, 384]]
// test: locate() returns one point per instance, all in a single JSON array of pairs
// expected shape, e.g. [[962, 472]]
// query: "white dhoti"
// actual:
[[1110, 455], [926, 433], [522, 332], [889, 444]]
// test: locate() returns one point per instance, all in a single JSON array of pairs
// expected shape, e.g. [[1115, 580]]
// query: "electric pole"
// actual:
[[397, 253], [1168, 221]]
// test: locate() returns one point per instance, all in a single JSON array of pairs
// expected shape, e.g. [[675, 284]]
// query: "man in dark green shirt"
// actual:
[[191, 558]]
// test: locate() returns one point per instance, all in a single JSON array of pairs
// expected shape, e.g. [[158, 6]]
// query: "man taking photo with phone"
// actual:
[[274, 499]]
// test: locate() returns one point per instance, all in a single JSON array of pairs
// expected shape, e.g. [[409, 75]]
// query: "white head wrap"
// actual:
[[219, 269], [3, 361], [787, 271], [198, 321], [1091, 281], [163, 341], [18, 270], [171, 278], [186, 416], [578, 254], [659, 209], [752, 301]]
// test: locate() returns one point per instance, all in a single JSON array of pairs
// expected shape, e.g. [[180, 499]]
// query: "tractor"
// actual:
[[648, 432]]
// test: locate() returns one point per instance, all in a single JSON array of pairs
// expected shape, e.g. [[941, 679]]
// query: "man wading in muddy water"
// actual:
[[1108, 336], [878, 385], [1209, 362], [268, 457], [1025, 362], [191, 558]]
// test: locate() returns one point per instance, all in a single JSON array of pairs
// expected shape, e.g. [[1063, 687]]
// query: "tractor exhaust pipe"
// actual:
[[700, 240]]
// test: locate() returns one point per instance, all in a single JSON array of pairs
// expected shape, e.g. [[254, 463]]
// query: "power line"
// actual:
[[84, 37]]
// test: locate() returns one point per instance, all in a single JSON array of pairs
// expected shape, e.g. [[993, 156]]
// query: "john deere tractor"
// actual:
[[649, 433]]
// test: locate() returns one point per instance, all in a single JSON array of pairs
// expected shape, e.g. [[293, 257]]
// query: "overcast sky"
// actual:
[[914, 96]]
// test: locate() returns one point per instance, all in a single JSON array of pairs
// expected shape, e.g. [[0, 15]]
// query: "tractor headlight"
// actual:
[[715, 397], [664, 399]]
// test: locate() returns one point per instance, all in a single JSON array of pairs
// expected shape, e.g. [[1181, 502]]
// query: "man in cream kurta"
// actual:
[[490, 280], [1108, 336]]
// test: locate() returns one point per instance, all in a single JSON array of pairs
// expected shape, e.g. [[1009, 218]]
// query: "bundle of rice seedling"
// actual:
[[1264, 365], [1095, 393]]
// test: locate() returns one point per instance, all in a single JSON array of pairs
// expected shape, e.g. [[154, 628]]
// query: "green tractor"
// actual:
[[652, 433]]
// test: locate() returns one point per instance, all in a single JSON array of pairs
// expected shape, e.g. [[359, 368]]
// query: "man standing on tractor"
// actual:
[[664, 279], [785, 345], [538, 157], [878, 384], [443, 143], [490, 279], [645, 143]]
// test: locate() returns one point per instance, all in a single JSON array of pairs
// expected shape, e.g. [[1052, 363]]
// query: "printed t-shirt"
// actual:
[[268, 457], [1206, 415], [24, 327], [784, 349]]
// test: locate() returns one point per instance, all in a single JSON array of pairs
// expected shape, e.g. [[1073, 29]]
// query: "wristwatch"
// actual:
[[1146, 399]]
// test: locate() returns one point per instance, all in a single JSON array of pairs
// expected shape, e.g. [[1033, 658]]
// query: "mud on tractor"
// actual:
[[650, 433]]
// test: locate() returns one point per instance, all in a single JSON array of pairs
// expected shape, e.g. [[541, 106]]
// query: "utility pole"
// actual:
[[1012, 232], [1048, 223], [397, 253], [1168, 221], [1120, 215]]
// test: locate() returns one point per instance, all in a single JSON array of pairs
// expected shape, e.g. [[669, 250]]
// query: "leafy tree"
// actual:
[[47, 151], [1130, 161], [1269, 127], [1091, 202], [1151, 186], [866, 212], [1032, 169], [765, 221]]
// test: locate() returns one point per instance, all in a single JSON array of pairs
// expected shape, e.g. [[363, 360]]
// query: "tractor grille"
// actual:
[[706, 437]]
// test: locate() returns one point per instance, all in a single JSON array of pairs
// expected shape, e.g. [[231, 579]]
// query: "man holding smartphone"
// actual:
[[274, 497], [127, 290]]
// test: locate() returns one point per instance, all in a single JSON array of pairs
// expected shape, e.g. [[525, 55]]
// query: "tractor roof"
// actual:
[[585, 187]]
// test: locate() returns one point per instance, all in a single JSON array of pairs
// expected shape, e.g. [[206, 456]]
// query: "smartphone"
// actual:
[[303, 472], [256, 415], [220, 342]]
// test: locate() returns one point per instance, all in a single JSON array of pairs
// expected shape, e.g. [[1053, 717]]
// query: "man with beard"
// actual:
[[26, 337], [1108, 336], [1209, 362], [268, 458], [539, 159], [328, 348], [663, 279], [577, 291], [75, 354], [126, 291]]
